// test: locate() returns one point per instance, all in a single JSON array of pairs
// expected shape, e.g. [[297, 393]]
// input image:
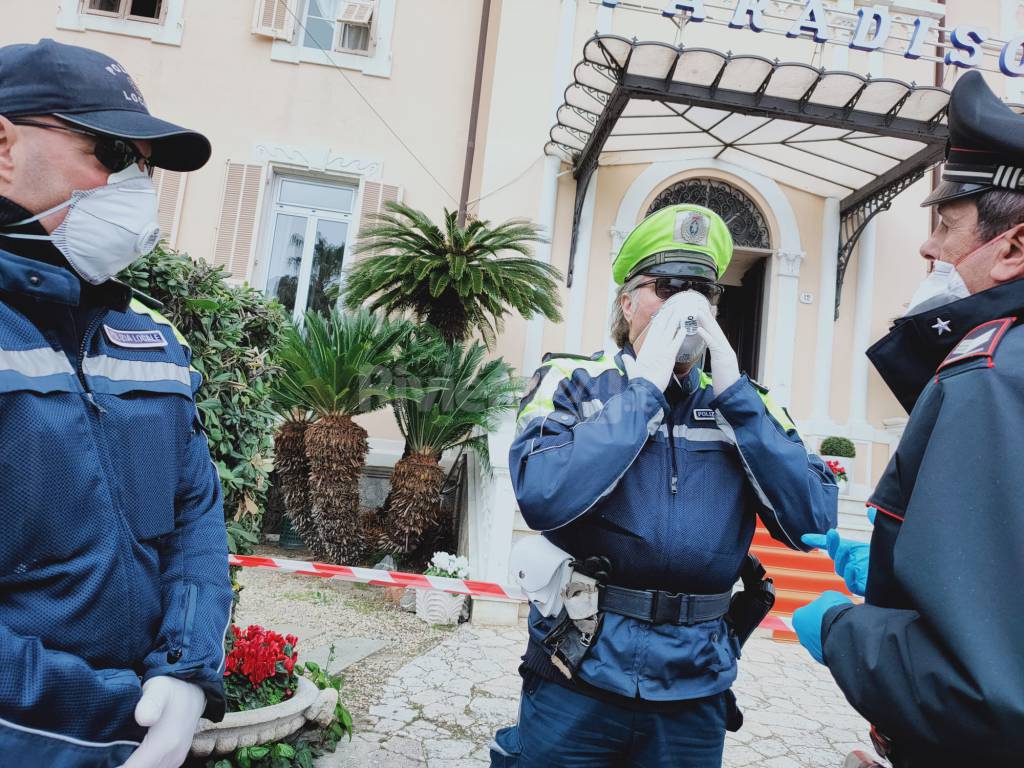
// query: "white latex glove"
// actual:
[[170, 709], [661, 341], [724, 367]]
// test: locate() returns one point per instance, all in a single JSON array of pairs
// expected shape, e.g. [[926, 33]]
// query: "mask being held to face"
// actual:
[[689, 303], [105, 228]]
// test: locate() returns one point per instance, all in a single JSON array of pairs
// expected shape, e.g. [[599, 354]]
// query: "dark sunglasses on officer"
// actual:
[[115, 154], [665, 287]]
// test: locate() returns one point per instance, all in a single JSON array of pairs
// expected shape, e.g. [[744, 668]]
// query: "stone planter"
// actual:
[[436, 607], [267, 724]]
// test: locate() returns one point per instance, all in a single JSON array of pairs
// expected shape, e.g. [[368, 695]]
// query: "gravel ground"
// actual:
[[321, 612]]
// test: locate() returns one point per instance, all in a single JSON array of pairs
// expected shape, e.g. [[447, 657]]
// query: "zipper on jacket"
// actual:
[[89, 331], [674, 482], [175, 654], [103, 453]]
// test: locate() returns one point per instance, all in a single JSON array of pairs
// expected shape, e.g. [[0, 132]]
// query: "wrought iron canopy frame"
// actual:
[[608, 83]]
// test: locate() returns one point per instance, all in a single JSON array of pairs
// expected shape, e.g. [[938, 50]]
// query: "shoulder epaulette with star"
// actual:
[[980, 342]]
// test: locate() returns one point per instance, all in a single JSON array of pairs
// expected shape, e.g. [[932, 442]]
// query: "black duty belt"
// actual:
[[658, 607]]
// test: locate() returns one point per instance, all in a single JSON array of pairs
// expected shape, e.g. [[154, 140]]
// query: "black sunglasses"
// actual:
[[665, 287], [113, 153]]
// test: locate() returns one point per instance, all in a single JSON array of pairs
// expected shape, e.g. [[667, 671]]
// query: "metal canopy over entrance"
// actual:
[[826, 132]]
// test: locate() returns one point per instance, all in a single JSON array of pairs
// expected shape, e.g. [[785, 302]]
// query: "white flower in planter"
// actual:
[[445, 564], [438, 607]]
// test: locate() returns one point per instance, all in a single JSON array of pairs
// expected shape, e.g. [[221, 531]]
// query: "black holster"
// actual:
[[747, 610], [749, 607], [568, 645]]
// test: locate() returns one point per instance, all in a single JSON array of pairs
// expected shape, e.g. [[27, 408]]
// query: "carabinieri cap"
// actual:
[[986, 143]]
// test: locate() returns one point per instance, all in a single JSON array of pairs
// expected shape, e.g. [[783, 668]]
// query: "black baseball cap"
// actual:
[[91, 90], [986, 143]]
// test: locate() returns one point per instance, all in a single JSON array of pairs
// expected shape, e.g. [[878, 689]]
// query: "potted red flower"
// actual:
[[267, 699], [840, 472]]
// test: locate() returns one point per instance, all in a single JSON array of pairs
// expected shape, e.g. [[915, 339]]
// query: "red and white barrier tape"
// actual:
[[398, 579], [382, 578]]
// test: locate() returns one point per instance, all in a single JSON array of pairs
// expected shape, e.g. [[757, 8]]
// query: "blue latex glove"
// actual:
[[850, 558], [807, 621]]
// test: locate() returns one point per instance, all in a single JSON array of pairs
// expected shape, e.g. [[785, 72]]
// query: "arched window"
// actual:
[[741, 215]]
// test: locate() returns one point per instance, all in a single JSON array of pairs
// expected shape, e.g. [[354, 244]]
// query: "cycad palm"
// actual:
[[339, 367], [292, 468], [468, 396], [458, 279]]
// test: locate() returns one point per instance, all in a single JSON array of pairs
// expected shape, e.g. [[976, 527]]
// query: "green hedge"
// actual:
[[837, 446], [233, 332]]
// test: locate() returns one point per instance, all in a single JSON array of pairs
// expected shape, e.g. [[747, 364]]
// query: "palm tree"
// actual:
[[468, 396], [339, 367], [292, 467], [457, 279]]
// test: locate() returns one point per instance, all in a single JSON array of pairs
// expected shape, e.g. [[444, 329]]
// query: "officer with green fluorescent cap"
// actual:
[[650, 475]]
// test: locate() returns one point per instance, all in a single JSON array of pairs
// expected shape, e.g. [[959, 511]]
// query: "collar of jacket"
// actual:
[[688, 384], [908, 356], [45, 282]]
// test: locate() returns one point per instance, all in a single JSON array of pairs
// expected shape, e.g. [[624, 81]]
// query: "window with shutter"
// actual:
[[375, 197], [170, 190], [139, 10], [275, 19], [355, 27], [237, 228]]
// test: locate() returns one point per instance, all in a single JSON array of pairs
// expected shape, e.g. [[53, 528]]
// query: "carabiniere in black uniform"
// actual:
[[935, 657]]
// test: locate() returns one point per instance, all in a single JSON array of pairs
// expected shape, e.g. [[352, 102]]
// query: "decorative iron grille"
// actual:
[[740, 214]]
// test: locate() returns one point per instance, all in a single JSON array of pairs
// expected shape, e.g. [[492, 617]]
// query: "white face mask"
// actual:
[[943, 285], [106, 228], [693, 344]]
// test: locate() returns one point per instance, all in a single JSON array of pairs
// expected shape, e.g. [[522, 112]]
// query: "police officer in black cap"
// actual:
[[114, 587], [934, 658]]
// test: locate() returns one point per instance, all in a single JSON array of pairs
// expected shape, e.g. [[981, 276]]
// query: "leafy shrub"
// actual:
[[838, 446], [233, 332]]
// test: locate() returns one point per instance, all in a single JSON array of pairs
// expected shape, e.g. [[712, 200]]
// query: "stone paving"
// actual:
[[440, 709]]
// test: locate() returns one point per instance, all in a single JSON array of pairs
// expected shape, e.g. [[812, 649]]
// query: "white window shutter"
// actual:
[[170, 191], [375, 195], [236, 233], [275, 18], [356, 13]]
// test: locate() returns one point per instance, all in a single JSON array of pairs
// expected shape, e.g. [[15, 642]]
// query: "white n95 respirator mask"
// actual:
[[106, 228]]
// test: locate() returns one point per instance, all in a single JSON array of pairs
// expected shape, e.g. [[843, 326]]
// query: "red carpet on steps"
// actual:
[[799, 577]]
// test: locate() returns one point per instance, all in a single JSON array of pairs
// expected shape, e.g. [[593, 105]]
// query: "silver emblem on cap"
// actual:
[[691, 228]]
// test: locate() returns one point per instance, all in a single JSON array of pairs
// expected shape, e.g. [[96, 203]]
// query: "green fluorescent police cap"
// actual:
[[679, 240]]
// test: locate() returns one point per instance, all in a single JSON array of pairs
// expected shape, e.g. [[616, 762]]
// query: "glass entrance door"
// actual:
[[308, 243]]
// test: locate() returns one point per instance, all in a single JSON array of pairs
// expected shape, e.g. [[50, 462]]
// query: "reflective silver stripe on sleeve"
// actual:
[[35, 362], [135, 370]]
